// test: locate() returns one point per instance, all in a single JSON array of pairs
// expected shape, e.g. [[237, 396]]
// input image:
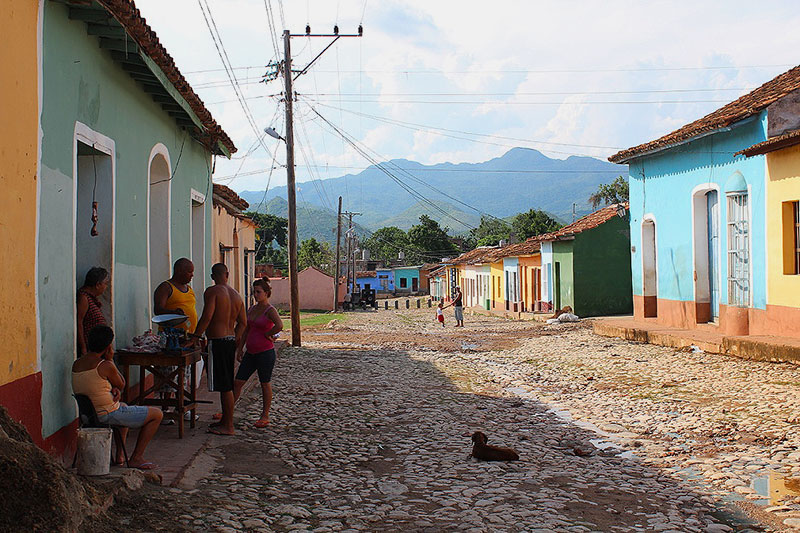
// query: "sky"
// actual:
[[465, 81]]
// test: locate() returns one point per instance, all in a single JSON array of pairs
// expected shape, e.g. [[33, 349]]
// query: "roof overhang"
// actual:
[[786, 140]]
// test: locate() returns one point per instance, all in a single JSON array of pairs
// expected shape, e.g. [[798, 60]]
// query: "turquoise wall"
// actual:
[[661, 184], [81, 83], [602, 270], [408, 274]]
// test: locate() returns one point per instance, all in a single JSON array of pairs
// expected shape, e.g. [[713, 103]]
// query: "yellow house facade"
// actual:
[[20, 54], [782, 312], [234, 239]]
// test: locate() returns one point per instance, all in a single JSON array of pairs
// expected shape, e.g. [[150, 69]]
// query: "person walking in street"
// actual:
[[263, 323], [89, 306], [440, 313], [223, 321], [458, 308], [94, 375]]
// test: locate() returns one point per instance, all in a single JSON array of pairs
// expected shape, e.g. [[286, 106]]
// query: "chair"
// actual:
[[87, 417]]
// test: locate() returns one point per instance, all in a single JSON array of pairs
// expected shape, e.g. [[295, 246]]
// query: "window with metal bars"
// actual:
[[738, 250]]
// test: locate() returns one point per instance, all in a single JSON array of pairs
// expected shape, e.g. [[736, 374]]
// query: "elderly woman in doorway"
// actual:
[[90, 308]]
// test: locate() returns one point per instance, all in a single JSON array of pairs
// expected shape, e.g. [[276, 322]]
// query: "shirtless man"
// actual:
[[224, 320]]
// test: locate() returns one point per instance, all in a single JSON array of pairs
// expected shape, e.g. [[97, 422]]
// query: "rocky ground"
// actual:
[[371, 417]]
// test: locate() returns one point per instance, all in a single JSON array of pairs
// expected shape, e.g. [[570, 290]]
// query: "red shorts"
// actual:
[[440, 318]]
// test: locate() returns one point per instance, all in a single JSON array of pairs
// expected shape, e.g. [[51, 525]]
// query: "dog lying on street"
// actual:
[[487, 452]]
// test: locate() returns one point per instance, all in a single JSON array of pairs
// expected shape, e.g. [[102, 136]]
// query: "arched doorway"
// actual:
[[158, 221], [705, 202], [649, 268]]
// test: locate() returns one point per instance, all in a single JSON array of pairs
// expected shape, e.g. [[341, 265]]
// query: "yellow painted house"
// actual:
[[20, 375], [782, 154]]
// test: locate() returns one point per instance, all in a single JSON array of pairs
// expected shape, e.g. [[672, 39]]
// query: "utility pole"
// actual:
[[294, 295], [336, 268], [350, 254]]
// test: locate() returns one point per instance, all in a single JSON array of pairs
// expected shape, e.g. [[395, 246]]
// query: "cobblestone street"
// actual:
[[371, 418]]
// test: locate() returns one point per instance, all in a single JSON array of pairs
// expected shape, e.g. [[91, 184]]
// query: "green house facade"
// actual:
[[586, 265], [122, 128]]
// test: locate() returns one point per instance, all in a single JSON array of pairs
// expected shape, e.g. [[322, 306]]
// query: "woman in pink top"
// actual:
[[263, 323]]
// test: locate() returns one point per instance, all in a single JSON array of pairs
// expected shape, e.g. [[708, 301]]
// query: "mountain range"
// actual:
[[455, 195]]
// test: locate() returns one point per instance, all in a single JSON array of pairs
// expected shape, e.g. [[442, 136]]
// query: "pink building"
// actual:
[[315, 287]]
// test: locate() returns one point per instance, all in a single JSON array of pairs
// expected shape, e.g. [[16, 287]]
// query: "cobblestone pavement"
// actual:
[[370, 416]]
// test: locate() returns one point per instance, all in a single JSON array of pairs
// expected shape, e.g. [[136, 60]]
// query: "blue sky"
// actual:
[[466, 81]]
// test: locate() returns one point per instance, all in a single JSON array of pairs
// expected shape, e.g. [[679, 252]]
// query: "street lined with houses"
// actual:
[[612, 435]]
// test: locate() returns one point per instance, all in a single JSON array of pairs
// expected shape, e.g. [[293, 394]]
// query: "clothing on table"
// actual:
[[90, 383], [459, 313], [221, 355], [186, 302], [94, 314], [264, 362], [257, 339], [129, 416]]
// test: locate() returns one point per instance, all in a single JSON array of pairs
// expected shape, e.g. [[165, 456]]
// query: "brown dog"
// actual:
[[487, 452]]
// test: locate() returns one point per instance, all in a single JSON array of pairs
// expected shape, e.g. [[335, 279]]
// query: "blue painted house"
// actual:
[[407, 279], [697, 215], [381, 279]]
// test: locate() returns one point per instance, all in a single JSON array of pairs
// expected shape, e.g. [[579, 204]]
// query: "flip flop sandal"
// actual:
[[216, 416], [144, 466], [261, 423]]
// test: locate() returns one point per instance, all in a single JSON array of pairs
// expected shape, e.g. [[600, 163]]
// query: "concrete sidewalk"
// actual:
[[174, 455], [757, 348]]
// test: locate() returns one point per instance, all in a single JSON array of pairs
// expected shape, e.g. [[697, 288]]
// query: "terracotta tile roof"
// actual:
[[531, 246], [472, 256], [126, 13], [588, 222], [229, 195], [367, 274], [790, 138], [737, 110]]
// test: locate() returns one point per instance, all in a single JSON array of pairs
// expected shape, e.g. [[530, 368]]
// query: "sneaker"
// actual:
[[188, 416]]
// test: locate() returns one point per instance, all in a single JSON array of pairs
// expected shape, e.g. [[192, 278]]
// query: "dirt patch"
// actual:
[[153, 508], [252, 459], [38, 493]]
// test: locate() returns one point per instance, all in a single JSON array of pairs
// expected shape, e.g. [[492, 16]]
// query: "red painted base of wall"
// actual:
[[775, 320], [23, 400]]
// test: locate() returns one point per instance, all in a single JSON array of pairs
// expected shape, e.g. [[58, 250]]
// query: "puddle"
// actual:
[[775, 487]]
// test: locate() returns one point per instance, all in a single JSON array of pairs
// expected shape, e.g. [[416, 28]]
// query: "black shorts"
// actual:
[[264, 362], [221, 354]]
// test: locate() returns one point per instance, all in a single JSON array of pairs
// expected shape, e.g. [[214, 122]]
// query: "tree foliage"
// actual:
[[532, 222], [385, 243], [610, 193], [490, 231], [271, 229], [428, 241], [317, 254]]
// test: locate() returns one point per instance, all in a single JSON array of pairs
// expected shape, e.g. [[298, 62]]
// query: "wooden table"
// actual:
[[184, 400]]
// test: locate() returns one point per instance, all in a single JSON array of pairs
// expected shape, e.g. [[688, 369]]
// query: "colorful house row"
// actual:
[[233, 238], [103, 123], [722, 252], [584, 265]]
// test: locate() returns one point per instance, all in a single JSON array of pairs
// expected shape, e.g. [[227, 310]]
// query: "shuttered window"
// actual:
[[738, 250]]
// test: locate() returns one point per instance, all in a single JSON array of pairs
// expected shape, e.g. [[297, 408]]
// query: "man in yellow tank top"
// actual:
[[175, 296]]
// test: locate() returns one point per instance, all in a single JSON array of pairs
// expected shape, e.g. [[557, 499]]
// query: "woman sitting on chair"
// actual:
[[95, 376]]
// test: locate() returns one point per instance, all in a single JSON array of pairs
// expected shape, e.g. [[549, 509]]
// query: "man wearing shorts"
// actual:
[[458, 308], [223, 320]]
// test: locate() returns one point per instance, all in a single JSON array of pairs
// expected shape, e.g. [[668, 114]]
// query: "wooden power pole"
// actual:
[[336, 268]]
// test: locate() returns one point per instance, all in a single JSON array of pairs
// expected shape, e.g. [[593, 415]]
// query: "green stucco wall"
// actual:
[[562, 255], [82, 83], [602, 267]]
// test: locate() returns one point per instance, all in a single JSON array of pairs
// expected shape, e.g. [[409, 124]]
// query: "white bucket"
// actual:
[[94, 451]]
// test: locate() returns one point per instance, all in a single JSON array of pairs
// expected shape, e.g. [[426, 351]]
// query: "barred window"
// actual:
[[738, 250]]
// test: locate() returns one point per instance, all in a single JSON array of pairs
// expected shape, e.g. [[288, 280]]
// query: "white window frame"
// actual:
[[739, 257]]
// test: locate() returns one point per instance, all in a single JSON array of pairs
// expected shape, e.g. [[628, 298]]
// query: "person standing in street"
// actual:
[[263, 323], [223, 321], [89, 306], [458, 308]]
